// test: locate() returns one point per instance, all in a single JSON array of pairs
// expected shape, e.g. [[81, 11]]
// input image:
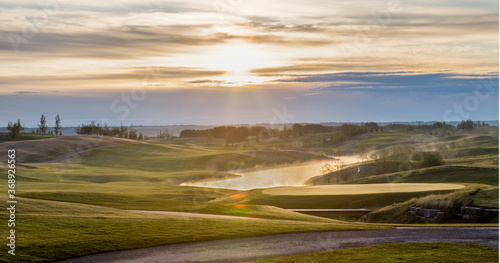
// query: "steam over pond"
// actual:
[[292, 175]]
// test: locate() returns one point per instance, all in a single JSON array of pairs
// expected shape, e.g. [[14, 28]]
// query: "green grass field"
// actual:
[[438, 174], [87, 197], [414, 252], [54, 230], [370, 201]]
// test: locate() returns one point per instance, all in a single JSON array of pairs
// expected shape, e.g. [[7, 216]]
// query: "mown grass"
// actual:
[[370, 201], [76, 209], [52, 230], [374, 141], [450, 204], [134, 202], [438, 174], [487, 198], [399, 252]]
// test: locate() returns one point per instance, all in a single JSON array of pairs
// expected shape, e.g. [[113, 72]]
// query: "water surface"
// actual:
[[291, 175]]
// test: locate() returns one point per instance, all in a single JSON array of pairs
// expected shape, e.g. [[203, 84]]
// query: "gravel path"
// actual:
[[253, 248], [71, 155]]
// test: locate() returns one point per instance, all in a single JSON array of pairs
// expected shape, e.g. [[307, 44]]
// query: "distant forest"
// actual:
[[235, 134]]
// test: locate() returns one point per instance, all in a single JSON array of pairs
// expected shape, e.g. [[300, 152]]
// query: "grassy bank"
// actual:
[[414, 252], [439, 174], [450, 204]]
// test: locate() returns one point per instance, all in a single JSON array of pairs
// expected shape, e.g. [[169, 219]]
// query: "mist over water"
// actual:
[[293, 175]]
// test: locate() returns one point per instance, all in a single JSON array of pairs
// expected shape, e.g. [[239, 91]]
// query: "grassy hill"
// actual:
[[87, 196], [43, 148], [396, 154], [438, 174]]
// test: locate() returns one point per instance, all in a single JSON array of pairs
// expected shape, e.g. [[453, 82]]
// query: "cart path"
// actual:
[[73, 155], [253, 248]]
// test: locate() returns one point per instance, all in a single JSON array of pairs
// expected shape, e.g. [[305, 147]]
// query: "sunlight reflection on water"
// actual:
[[294, 175]]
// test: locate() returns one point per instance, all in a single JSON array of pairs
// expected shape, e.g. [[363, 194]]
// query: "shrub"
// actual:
[[428, 159]]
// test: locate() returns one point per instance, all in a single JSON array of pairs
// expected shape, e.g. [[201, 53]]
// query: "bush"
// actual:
[[428, 159], [432, 159]]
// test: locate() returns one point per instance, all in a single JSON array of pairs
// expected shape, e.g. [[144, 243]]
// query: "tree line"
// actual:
[[15, 129], [121, 131], [469, 124], [348, 131], [99, 129], [231, 134]]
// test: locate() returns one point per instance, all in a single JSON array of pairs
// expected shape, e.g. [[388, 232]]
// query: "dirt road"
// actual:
[[248, 249]]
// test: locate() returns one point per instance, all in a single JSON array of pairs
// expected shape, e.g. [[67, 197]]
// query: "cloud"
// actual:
[[401, 82], [350, 51], [157, 76], [26, 92]]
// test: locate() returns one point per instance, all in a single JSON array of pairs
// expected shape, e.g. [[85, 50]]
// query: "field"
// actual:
[[101, 229], [415, 252], [88, 195]]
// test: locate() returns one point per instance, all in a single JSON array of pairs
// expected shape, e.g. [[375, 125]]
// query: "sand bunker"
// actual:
[[357, 189]]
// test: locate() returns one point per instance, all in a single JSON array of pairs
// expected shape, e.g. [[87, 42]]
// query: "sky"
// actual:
[[153, 62]]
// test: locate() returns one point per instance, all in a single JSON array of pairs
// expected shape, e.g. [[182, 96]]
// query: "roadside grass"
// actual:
[[472, 195], [487, 198], [437, 174], [399, 252]]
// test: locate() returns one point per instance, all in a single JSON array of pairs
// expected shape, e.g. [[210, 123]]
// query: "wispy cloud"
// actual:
[[304, 50]]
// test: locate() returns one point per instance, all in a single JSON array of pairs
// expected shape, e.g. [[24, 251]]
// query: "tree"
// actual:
[[15, 129], [284, 133], [132, 134], [430, 159], [42, 127], [57, 127], [334, 167]]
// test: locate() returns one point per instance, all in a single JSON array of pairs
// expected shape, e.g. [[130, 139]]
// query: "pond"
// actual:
[[289, 175]]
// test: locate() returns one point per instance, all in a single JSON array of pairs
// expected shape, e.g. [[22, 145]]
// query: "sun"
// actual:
[[237, 60]]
